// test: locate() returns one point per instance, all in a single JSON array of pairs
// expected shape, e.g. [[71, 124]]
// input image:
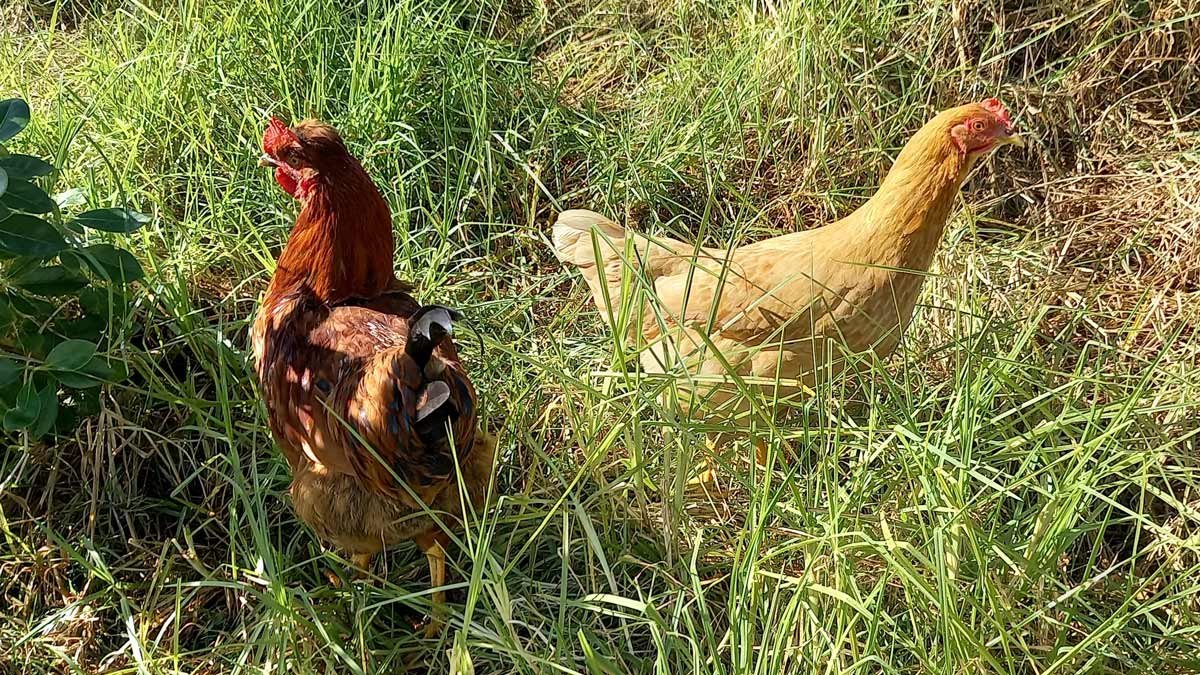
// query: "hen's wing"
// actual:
[[746, 294], [343, 392]]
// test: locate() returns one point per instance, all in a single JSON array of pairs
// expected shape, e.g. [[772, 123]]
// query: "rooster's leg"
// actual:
[[435, 552]]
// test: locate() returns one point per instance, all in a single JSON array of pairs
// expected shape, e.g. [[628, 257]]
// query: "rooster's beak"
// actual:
[[267, 160]]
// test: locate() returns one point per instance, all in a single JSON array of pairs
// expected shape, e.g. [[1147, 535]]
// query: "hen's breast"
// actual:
[[876, 311]]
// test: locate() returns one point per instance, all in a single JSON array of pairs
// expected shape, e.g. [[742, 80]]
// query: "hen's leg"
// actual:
[[362, 561], [713, 444], [434, 545], [332, 577]]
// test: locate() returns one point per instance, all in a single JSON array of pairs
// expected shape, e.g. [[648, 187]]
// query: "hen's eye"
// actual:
[[292, 160], [977, 125]]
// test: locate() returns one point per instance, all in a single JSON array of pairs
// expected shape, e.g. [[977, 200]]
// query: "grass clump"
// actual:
[[1015, 492]]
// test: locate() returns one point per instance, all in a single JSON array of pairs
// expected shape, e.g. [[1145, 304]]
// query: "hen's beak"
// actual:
[[1013, 138], [267, 160]]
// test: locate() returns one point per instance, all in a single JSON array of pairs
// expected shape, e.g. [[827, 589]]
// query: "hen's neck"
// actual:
[[904, 220], [341, 245]]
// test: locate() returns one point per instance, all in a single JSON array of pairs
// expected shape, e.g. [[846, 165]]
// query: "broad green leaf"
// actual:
[[30, 306], [76, 380], [71, 355], [14, 116], [25, 166], [99, 367], [20, 265], [111, 220], [101, 301], [8, 394], [50, 281], [24, 234], [29, 340], [89, 326], [71, 260], [9, 372], [111, 263], [25, 412], [94, 373], [4, 212], [49, 410], [25, 196], [3, 181]]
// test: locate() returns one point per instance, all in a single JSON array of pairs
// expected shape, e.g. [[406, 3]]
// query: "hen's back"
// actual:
[[342, 392]]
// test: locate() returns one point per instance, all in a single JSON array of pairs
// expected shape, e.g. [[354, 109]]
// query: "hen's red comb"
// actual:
[[994, 106], [277, 136]]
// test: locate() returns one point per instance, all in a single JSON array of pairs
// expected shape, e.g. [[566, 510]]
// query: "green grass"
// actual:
[[1015, 492]]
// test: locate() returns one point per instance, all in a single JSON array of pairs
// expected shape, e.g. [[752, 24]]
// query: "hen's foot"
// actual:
[[760, 453], [363, 562], [707, 478], [435, 553]]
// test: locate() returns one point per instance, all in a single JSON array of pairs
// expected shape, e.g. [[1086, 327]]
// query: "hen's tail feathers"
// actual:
[[573, 241], [428, 326], [426, 330], [580, 237], [434, 409]]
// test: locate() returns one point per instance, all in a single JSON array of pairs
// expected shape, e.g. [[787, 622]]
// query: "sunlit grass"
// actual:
[[1015, 492]]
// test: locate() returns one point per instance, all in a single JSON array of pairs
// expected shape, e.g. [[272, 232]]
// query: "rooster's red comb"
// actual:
[[277, 136], [994, 106]]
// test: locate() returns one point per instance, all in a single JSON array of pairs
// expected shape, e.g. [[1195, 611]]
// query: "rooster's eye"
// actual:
[[977, 125]]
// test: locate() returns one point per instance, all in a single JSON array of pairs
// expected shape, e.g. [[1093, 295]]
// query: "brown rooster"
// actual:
[[367, 397], [787, 308]]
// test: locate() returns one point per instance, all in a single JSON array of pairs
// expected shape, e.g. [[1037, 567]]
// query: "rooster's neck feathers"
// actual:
[[341, 246]]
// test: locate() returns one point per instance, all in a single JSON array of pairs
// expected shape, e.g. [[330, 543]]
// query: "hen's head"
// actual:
[[300, 154], [976, 129]]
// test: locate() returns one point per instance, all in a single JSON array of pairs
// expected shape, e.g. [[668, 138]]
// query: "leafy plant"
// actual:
[[62, 297]]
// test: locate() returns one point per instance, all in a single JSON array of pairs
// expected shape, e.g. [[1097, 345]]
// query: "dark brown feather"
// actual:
[[342, 392]]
